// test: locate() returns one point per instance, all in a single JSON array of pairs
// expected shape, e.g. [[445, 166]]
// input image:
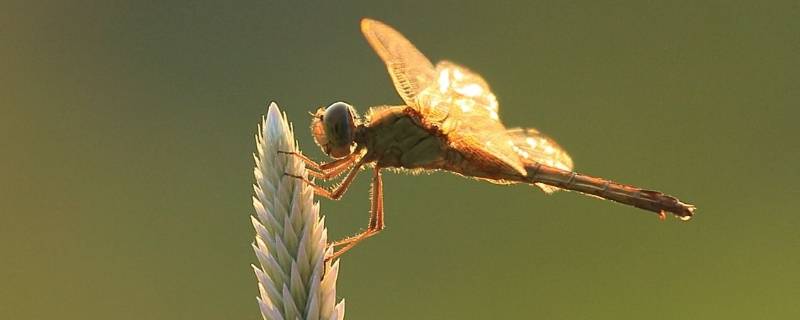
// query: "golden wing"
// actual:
[[450, 97], [461, 104], [534, 146], [409, 69]]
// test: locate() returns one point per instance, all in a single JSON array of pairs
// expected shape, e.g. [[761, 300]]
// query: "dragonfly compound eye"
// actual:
[[340, 127]]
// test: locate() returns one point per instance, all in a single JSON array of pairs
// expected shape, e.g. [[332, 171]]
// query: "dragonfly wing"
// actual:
[[463, 107], [534, 146], [449, 97], [409, 69]]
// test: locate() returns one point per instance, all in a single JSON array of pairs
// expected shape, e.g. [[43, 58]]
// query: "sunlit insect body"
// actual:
[[449, 122]]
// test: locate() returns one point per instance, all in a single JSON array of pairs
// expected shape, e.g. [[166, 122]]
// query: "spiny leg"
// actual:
[[339, 190], [325, 171], [376, 208], [310, 163], [333, 172], [375, 218]]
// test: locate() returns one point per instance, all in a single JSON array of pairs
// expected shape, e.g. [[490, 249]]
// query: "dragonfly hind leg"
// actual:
[[375, 219]]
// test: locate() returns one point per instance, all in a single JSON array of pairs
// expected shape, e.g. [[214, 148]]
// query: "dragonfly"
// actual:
[[449, 122]]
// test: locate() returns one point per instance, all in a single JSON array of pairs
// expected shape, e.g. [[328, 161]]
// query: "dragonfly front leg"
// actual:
[[325, 171], [375, 219], [333, 169], [337, 192]]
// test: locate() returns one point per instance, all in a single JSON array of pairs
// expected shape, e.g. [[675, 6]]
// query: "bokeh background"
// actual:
[[126, 134]]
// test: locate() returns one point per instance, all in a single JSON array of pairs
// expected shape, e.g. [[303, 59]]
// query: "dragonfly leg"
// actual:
[[310, 163], [375, 219], [325, 171], [337, 192], [332, 172], [339, 166]]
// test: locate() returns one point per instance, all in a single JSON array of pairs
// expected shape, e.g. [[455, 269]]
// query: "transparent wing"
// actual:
[[450, 97], [534, 146], [461, 104], [409, 69]]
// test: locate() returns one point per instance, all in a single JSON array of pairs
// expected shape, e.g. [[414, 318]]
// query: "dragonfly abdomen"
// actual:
[[644, 199]]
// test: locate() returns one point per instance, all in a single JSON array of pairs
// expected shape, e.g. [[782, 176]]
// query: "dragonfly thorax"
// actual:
[[334, 129]]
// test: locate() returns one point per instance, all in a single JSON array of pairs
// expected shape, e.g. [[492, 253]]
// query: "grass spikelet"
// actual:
[[294, 281]]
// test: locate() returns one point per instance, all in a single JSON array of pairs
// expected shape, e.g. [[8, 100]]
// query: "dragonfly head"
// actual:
[[334, 129]]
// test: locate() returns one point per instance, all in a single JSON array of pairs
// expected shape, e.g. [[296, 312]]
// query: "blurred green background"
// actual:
[[126, 133]]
